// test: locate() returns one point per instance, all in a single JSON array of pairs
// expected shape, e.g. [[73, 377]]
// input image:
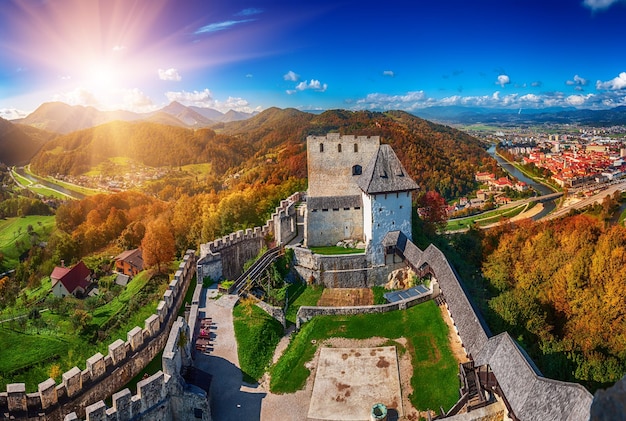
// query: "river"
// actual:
[[43, 182], [542, 189]]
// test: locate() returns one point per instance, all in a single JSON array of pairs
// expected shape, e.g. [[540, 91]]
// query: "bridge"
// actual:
[[257, 270]]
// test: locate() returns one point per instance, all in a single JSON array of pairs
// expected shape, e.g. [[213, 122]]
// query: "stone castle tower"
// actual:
[[358, 190]]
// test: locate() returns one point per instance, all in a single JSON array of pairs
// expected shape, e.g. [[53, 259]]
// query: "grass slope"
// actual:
[[13, 230], [435, 369], [257, 335], [301, 295]]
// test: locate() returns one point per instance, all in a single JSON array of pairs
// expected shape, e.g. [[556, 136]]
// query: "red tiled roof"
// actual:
[[72, 278]]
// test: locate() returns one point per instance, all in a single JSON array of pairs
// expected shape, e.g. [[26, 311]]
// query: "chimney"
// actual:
[[62, 263]]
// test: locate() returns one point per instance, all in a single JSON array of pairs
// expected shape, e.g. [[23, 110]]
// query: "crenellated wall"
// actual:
[[224, 258], [164, 396], [103, 375]]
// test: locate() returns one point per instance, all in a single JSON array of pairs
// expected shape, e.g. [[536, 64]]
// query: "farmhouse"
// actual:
[[129, 262], [70, 281]]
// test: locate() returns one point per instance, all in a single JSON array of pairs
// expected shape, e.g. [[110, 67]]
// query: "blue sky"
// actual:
[[251, 55]]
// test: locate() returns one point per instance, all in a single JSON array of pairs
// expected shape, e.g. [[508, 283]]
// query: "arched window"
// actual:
[[356, 147], [339, 147], [321, 147], [357, 170]]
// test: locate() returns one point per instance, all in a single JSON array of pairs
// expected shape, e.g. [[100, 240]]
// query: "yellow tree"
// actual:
[[158, 245]]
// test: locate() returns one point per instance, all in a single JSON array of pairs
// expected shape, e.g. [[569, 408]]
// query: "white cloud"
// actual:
[[249, 12], [78, 96], [614, 84], [389, 73], [205, 99], [314, 85], [291, 76], [220, 26], [577, 81], [600, 4], [135, 100], [575, 100], [249, 75], [12, 113], [503, 80], [536, 83], [199, 98], [291, 91], [169, 74]]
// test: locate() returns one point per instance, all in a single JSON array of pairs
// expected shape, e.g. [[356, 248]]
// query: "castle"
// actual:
[[358, 190]]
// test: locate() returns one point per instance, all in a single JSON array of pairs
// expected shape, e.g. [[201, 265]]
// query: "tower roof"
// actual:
[[385, 174]]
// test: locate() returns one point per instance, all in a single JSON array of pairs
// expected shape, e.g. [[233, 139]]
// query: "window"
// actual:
[[357, 170], [356, 147], [339, 147], [321, 147]]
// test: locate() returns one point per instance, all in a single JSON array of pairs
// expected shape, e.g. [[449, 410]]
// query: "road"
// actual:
[[616, 186]]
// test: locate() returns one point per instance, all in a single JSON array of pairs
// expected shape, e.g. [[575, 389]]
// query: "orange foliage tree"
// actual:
[[158, 245]]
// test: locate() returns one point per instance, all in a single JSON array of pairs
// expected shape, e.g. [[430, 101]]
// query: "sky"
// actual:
[[250, 55]]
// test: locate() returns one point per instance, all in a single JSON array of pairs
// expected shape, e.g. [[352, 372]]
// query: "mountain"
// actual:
[[18, 143], [59, 117], [187, 115], [522, 116], [271, 146], [209, 113]]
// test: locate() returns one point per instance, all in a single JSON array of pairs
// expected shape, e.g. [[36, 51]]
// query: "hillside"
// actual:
[[271, 146], [18, 143]]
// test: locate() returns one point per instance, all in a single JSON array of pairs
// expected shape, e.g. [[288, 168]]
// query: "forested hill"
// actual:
[[18, 143], [437, 156]]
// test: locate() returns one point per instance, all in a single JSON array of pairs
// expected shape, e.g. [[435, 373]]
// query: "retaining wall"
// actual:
[[342, 271], [103, 375], [306, 313]]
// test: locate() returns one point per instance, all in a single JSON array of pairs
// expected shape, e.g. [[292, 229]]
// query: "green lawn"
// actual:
[[69, 186], [15, 229], [104, 313], [434, 381], [301, 295], [26, 350], [257, 335], [484, 218], [38, 188], [333, 250]]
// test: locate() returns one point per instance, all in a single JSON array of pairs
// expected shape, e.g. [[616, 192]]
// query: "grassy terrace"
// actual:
[[485, 218], [435, 369], [334, 250], [301, 295], [13, 230]]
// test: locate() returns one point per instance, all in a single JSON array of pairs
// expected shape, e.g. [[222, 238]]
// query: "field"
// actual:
[[69, 186], [15, 230], [37, 188], [337, 297], [435, 369], [485, 218]]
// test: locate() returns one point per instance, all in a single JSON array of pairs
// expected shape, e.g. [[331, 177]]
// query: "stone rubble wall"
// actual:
[[224, 258], [103, 375]]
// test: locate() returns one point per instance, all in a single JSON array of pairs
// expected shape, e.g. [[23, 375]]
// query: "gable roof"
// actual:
[[134, 257], [385, 174], [532, 396], [72, 278]]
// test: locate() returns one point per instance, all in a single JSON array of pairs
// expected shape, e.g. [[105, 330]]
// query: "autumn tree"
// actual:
[[158, 245], [433, 210]]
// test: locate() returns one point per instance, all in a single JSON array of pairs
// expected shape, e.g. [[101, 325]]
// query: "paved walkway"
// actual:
[[231, 399]]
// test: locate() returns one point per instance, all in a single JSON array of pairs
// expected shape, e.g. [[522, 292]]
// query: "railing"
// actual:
[[256, 270]]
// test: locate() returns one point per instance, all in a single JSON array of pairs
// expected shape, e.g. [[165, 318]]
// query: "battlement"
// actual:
[[76, 383], [224, 257]]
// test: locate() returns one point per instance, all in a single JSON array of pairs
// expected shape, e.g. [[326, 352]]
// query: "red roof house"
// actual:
[[74, 281]]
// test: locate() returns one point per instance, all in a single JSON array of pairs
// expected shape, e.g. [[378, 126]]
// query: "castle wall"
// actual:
[[103, 375], [330, 171], [342, 271], [326, 227], [224, 258]]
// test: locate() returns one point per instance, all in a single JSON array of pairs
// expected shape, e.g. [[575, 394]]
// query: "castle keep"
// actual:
[[358, 190]]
